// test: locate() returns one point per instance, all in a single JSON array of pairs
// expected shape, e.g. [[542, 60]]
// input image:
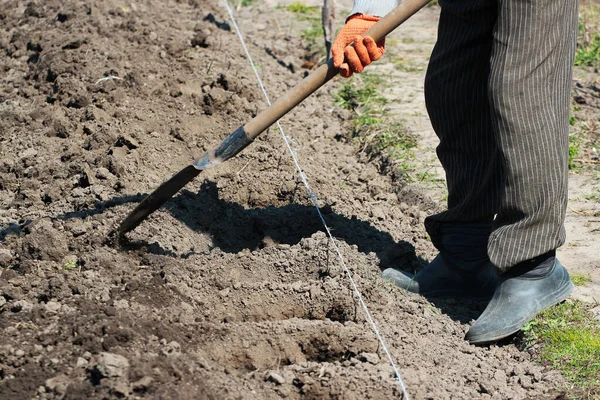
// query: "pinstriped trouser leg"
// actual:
[[529, 87], [497, 92]]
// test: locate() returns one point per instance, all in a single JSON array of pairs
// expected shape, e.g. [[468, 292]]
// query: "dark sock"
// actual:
[[534, 268]]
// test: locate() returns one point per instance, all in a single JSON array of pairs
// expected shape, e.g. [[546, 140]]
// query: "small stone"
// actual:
[[127, 141], [52, 307], [275, 377], [500, 376], [371, 358], [142, 384], [19, 353], [22, 306], [112, 365], [28, 153], [224, 292], [103, 173], [10, 292], [57, 384], [171, 349], [121, 304], [87, 355], [378, 213], [121, 388], [300, 287], [82, 362], [89, 274], [2, 301], [5, 258], [526, 382]]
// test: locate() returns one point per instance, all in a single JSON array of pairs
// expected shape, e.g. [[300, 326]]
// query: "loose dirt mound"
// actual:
[[231, 290]]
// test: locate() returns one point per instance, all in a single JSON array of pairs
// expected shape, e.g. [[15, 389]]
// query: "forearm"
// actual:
[[378, 8]]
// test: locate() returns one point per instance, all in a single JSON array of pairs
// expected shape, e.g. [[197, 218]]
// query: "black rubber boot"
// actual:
[[521, 294], [461, 270]]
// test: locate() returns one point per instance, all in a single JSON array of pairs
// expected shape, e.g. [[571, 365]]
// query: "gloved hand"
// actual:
[[350, 59]]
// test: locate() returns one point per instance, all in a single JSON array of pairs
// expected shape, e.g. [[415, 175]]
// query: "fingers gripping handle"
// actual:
[[327, 71]]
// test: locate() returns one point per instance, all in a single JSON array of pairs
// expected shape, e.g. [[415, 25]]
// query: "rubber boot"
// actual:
[[519, 297], [461, 270]]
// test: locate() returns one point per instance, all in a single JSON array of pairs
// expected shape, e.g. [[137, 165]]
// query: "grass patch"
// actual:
[[378, 133], [574, 148], [589, 56], [246, 3], [588, 38], [313, 33], [580, 279], [301, 8], [70, 265], [568, 340]]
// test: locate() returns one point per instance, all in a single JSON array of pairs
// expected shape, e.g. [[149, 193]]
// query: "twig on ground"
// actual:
[[108, 78], [581, 160], [584, 214], [243, 168]]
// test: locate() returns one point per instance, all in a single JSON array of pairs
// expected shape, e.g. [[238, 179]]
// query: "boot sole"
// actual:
[[564, 292]]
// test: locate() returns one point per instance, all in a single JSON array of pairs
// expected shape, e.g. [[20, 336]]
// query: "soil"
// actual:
[[232, 290]]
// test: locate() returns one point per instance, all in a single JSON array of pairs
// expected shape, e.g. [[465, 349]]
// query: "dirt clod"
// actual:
[[111, 365]]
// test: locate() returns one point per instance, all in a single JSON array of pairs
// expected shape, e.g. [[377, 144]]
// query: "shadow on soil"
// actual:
[[234, 228]]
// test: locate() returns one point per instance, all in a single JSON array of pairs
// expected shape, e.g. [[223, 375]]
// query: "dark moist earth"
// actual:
[[231, 291]]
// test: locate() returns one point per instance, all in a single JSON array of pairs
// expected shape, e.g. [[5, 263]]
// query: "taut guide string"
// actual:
[[313, 199]]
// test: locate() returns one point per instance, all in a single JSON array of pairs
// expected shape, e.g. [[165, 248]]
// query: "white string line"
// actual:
[[316, 204]]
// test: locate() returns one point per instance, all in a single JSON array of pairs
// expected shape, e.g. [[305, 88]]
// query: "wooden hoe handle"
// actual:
[[327, 71]]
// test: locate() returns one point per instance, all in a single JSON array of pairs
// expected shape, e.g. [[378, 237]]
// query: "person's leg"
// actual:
[[529, 89], [456, 92]]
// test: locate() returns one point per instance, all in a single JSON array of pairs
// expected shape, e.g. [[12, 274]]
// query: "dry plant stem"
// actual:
[[586, 29], [328, 20]]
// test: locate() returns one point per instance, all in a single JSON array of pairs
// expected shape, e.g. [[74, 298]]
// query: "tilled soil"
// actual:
[[232, 290]]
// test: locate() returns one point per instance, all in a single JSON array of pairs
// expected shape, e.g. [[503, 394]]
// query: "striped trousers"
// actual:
[[498, 95]]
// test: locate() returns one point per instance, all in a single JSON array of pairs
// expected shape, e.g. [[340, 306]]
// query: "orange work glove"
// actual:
[[364, 50]]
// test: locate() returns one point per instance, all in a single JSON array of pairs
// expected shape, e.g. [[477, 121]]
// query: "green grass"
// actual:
[[377, 133], [580, 279], [568, 340], [593, 197], [301, 8], [314, 31], [574, 137], [574, 148], [587, 55], [70, 265]]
